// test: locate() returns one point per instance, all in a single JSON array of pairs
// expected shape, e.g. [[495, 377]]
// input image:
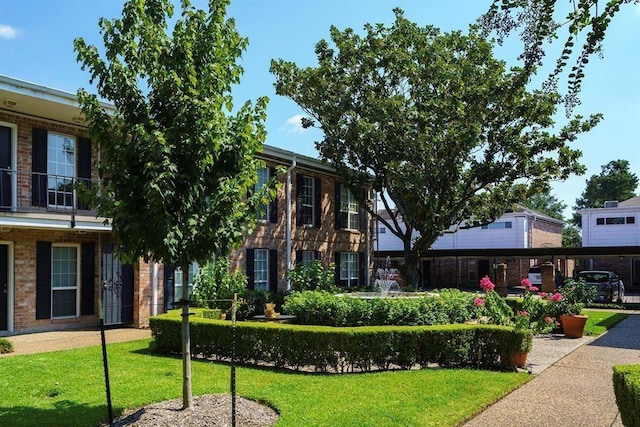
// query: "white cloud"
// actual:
[[294, 124], [8, 32]]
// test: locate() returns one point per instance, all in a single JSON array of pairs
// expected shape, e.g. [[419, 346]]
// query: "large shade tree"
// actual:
[[441, 129], [176, 162]]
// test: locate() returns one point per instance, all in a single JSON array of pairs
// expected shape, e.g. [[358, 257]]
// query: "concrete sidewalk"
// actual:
[[42, 342], [574, 389]]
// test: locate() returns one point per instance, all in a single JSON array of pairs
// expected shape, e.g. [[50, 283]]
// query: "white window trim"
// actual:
[[194, 272], [67, 288], [74, 168], [347, 199], [312, 204], [258, 285], [347, 257]]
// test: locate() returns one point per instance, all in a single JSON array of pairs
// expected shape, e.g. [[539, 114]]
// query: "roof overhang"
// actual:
[[583, 252]]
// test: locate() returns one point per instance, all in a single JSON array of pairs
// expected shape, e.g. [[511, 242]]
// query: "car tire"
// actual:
[[620, 296]]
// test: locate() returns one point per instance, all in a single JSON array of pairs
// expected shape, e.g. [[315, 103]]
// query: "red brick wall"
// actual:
[[24, 244]]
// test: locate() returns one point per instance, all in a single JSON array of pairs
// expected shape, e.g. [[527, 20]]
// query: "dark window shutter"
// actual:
[[299, 185], [84, 167], [337, 206], [317, 255], [127, 293], [273, 270], [88, 293], [337, 264], [39, 167], [317, 200], [169, 286], [273, 205], [298, 257], [251, 276], [361, 267], [43, 280]]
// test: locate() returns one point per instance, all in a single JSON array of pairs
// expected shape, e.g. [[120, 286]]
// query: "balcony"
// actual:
[[32, 199]]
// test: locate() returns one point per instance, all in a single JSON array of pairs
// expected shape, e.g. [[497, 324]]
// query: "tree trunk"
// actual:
[[187, 397], [411, 265]]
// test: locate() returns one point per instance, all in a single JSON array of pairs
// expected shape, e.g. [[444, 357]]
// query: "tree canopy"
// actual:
[[546, 203], [433, 122], [615, 182], [540, 23], [175, 163]]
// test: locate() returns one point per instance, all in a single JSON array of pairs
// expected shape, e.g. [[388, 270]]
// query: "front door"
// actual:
[[6, 190], [117, 288], [4, 287]]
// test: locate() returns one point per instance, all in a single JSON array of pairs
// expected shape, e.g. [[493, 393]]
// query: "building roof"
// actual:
[[634, 201]]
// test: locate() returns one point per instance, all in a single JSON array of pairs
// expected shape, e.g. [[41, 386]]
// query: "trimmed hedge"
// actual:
[[324, 308], [329, 349], [626, 384]]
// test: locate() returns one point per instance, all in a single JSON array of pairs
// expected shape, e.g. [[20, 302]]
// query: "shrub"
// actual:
[[216, 281], [323, 308], [342, 349], [6, 346], [312, 277], [626, 384]]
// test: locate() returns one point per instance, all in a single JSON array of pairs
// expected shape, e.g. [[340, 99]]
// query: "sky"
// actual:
[[36, 45]]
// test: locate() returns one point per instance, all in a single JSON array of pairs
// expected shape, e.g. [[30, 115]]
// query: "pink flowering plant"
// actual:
[[570, 299], [533, 313], [492, 305]]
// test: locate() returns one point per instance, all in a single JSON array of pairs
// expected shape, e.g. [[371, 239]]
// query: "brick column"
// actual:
[[501, 279], [548, 273]]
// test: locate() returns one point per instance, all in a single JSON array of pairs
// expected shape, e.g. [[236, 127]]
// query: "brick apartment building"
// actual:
[[57, 258]]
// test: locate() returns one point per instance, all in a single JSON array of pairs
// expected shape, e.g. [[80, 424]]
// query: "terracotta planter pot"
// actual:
[[516, 360], [573, 325]]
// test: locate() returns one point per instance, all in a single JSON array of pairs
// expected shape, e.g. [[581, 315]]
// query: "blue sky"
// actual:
[[36, 45]]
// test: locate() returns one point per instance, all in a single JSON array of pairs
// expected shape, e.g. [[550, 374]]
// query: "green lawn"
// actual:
[[66, 388], [599, 321]]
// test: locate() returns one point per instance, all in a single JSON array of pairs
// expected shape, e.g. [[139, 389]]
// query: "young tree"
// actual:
[[434, 123], [537, 23], [615, 182], [176, 165]]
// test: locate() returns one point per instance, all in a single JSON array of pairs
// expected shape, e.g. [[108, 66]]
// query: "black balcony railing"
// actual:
[[26, 191]]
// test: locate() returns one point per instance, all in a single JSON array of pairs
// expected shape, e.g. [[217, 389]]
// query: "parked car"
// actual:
[[610, 287], [535, 276]]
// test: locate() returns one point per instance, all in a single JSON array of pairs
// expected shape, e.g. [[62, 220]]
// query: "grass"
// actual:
[[600, 321], [66, 388]]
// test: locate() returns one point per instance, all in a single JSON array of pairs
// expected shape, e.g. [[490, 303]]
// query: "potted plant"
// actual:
[[567, 304]]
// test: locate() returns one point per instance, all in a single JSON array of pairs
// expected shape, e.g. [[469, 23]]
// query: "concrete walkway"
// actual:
[[574, 386], [61, 340]]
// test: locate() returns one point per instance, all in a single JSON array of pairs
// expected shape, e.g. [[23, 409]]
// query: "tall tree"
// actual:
[[434, 123], [546, 203], [539, 26], [615, 182], [175, 163]]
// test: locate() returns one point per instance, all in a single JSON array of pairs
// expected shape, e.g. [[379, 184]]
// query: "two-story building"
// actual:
[[57, 258], [519, 229], [616, 224]]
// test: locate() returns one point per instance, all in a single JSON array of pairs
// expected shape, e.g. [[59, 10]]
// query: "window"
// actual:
[[382, 230], [263, 178], [61, 167], [65, 276], [349, 268], [617, 220], [307, 201], [308, 257], [349, 210], [261, 269], [498, 225], [473, 276], [179, 281]]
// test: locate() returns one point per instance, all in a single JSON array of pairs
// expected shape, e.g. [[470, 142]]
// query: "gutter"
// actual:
[[289, 222]]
